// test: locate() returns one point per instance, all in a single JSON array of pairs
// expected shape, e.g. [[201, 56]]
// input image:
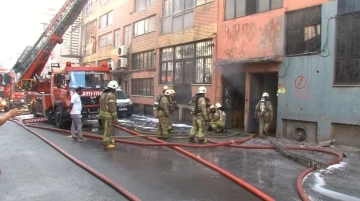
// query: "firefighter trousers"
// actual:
[[263, 125], [198, 124], [108, 131]]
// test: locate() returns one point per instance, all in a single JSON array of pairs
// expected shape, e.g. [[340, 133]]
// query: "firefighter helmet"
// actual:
[[113, 84], [165, 87], [212, 107], [201, 90], [167, 92], [217, 105], [265, 95]]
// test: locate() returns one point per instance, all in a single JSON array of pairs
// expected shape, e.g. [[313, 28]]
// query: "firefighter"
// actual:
[[164, 115], [157, 101], [264, 114], [218, 124], [172, 108], [211, 116], [200, 117], [108, 113]]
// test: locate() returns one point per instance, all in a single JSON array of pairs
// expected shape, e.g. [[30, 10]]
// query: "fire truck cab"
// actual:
[[56, 104]]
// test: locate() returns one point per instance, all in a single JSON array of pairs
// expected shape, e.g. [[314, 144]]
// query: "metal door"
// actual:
[[227, 101], [256, 88]]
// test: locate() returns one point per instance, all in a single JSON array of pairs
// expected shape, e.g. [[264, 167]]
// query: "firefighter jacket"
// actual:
[[219, 116], [198, 106], [107, 106], [211, 116], [164, 107], [264, 109]]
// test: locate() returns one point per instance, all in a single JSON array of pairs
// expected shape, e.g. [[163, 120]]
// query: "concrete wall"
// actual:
[[318, 104]]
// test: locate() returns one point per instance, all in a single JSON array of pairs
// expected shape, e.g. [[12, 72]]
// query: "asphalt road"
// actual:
[[151, 173]]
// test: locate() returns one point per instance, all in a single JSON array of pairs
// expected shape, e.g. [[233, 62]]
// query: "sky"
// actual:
[[21, 26]]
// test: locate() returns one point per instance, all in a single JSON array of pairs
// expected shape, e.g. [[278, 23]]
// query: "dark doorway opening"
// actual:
[[260, 83], [234, 99]]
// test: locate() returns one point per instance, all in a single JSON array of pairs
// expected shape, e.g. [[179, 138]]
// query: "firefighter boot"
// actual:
[[202, 141], [110, 146], [192, 139]]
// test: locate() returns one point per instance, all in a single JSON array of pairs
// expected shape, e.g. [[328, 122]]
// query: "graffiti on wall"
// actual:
[[227, 97]]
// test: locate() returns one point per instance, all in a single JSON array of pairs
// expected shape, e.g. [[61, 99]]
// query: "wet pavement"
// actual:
[[265, 169], [152, 173], [32, 170]]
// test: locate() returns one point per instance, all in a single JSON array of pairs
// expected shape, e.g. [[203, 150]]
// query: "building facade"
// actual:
[[249, 54], [153, 43], [320, 73]]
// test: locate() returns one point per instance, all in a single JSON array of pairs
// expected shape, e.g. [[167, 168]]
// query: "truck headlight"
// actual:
[[22, 100], [130, 103]]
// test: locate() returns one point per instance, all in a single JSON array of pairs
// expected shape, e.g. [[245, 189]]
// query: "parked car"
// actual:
[[123, 103]]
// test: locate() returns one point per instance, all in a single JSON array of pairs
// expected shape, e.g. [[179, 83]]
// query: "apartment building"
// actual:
[[153, 43]]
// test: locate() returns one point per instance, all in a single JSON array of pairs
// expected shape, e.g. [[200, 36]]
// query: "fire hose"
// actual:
[[231, 143], [92, 171]]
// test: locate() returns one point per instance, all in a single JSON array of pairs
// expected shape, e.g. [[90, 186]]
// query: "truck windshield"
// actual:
[[89, 80], [120, 95]]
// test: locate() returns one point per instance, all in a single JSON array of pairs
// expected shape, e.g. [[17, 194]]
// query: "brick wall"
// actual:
[[205, 25]]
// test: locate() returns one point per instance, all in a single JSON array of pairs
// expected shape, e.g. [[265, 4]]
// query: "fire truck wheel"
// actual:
[[6, 108]]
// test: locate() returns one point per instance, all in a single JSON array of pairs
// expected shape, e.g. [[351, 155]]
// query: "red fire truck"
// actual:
[[51, 93]]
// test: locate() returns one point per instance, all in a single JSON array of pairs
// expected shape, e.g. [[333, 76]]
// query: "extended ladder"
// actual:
[[35, 60]]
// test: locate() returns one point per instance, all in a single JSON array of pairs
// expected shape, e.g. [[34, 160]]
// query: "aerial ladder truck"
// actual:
[[51, 94]]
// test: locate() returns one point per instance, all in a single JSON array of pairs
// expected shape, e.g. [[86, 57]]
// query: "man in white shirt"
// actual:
[[75, 113]]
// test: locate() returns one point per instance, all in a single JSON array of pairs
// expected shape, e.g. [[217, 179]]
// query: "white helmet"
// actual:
[[217, 105], [113, 84], [165, 87], [201, 90], [171, 91], [265, 95], [212, 107], [167, 92]]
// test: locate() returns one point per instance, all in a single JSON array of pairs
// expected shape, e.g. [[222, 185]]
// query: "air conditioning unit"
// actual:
[[123, 50], [122, 63]]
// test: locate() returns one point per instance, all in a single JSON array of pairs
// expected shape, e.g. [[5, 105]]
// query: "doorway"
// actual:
[[260, 83], [233, 99]]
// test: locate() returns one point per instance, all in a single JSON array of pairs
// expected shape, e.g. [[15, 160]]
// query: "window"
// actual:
[[240, 8], [88, 8], [199, 2], [142, 4], [143, 86], [190, 63], [145, 26], [106, 20], [89, 39], [127, 35], [303, 31], [103, 1], [177, 15], [143, 60], [347, 54], [105, 40], [91, 80], [117, 38]]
